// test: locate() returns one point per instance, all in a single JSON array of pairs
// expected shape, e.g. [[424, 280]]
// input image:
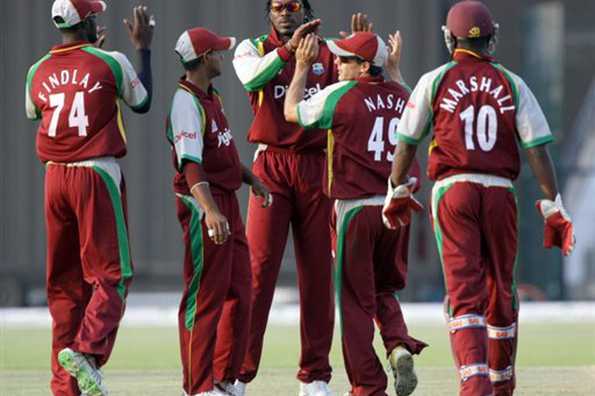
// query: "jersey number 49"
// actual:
[[376, 140]]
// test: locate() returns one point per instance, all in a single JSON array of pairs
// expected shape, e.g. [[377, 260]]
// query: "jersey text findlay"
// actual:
[[477, 84], [68, 77]]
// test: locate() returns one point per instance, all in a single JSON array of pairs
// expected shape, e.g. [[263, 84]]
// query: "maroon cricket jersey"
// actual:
[[265, 69], [478, 111], [361, 117], [198, 131], [75, 91]]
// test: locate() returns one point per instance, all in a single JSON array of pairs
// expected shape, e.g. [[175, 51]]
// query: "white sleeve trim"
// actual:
[[187, 127]]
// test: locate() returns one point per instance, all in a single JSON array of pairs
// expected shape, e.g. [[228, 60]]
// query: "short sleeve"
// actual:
[[318, 111], [132, 90], [186, 123], [253, 67], [531, 123], [417, 117]]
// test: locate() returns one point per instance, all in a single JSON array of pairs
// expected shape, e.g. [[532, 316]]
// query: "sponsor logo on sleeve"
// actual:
[[185, 135]]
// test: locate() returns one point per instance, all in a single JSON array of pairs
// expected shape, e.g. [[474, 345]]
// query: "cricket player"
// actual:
[[361, 113], [479, 113], [290, 162], [76, 91], [215, 308]]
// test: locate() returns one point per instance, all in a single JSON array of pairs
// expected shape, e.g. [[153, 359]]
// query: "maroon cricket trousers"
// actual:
[[475, 224], [214, 312], [88, 261], [295, 180], [371, 266]]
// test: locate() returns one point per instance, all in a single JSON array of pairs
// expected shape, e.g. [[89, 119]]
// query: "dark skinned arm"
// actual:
[[543, 169]]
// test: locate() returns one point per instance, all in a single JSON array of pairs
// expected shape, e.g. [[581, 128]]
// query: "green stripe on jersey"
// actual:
[[325, 121], [31, 74], [511, 80], [439, 78], [330, 105], [269, 72], [111, 62]]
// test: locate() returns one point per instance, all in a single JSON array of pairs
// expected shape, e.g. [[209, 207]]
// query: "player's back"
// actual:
[[363, 137], [75, 90], [474, 104]]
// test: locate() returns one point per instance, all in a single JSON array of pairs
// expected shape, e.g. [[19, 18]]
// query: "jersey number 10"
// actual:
[[376, 141], [487, 126], [77, 117]]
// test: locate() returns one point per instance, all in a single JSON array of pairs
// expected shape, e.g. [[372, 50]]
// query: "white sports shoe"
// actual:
[[315, 388], [401, 363], [238, 388]]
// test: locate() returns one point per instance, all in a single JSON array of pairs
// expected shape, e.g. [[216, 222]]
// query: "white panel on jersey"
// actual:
[[418, 112], [133, 91], [187, 127], [311, 111], [249, 64]]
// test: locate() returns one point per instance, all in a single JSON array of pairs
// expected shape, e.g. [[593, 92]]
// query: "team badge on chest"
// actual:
[[318, 69]]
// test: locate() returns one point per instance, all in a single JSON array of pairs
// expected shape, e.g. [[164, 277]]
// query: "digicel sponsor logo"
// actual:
[[281, 90], [185, 135]]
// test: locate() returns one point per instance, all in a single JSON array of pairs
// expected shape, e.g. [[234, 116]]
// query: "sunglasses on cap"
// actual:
[[292, 6]]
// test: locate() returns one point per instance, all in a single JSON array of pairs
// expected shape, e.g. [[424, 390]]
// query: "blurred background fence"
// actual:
[[549, 43]]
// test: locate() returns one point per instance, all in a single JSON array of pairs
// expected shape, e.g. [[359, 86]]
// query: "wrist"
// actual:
[[302, 67], [211, 210]]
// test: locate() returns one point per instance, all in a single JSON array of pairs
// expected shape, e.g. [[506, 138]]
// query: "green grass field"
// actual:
[[553, 359]]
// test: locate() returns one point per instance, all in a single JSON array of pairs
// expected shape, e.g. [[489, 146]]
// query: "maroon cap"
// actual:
[[365, 45], [470, 19], [196, 42]]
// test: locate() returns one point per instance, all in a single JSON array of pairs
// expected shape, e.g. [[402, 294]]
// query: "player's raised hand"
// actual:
[[359, 23], [141, 28], [307, 51], [393, 62], [101, 36], [300, 33]]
